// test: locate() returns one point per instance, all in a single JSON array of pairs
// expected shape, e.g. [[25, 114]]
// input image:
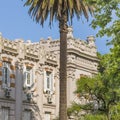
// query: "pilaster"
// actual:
[[18, 94], [70, 85]]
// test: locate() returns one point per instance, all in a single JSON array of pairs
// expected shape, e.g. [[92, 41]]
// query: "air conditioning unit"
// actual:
[[49, 100], [7, 92], [48, 92], [29, 96]]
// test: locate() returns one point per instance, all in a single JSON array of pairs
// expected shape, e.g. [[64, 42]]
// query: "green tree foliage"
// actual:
[[107, 19], [95, 117], [101, 91]]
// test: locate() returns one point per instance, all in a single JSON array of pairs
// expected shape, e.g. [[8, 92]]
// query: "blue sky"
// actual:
[[16, 23]]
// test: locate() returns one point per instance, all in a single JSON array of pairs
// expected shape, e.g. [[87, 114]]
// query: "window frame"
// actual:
[[6, 74], [49, 80], [46, 89], [29, 71]]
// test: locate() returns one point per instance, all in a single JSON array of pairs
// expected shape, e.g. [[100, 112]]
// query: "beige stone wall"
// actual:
[[43, 56]]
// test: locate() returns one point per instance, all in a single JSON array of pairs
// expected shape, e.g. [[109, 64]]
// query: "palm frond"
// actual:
[[40, 10]]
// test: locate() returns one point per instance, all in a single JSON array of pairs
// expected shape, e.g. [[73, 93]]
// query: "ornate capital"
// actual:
[[19, 65], [71, 73], [57, 74]]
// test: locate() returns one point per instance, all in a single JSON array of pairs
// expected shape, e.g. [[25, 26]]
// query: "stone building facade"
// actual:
[[29, 75]]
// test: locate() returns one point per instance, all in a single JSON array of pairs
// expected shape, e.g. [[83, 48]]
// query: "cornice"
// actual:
[[81, 67], [81, 54]]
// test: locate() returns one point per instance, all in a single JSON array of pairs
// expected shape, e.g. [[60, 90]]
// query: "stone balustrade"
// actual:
[[51, 56], [32, 50], [9, 46], [88, 47]]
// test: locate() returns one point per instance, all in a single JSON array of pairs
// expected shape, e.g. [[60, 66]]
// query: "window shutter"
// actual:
[[3, 78], [8, 75], [45, 81], [32, 76], [53, 82], [24, 76]]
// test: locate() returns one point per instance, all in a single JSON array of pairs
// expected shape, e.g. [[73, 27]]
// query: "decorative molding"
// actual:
[[0, 64], [19, 65], [0, 73], [0, 82], [12, 76], [71, 73], [29, 65], [12, 67], [12, 85]]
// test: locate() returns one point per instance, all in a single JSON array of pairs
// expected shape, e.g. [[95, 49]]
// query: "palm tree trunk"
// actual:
[[63, 67]]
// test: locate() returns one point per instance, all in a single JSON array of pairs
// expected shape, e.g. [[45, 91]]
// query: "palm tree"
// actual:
[[63, 11]]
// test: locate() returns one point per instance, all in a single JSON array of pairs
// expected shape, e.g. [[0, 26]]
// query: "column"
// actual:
[[18, 94], [70, 85], [40, 87]]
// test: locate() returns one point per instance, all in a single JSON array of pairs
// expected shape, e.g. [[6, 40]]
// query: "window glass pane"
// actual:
[[28, 76], [48, 82], [48, 79], [5, 72]]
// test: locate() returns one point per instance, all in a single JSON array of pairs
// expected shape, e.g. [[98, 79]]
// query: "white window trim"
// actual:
[[7, 84], [49, 78], [31, 72], [51, 88]]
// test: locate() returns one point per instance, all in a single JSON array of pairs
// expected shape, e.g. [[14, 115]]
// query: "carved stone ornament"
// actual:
[[71, 73], [19, 65]]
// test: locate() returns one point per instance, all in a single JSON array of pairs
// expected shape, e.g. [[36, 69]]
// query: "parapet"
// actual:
[[26, 50], [91, 41]]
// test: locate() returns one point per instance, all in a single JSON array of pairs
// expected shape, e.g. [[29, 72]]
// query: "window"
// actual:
[[27, 115], [47, 115], [29, 77], [5, 74], [5, 113], [48, 81]]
